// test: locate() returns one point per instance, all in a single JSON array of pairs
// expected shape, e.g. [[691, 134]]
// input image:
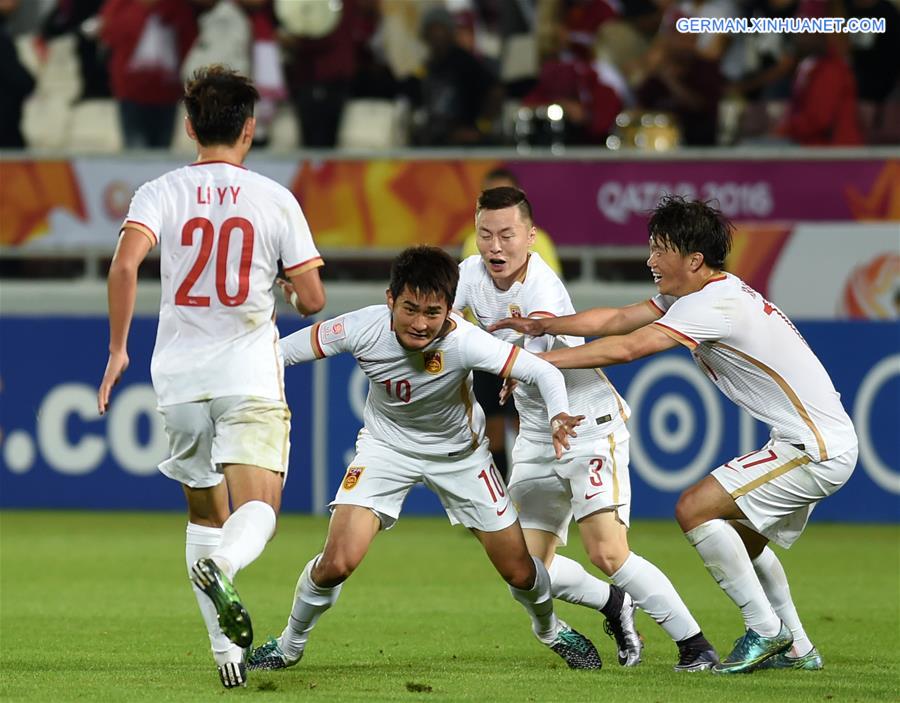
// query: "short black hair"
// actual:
[[689, 226], [501, 172], [425, 270], [218, 101], [502, 198]]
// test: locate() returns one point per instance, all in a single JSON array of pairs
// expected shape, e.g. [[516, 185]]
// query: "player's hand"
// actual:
[[115, 367], [506, 390], [527, 325], [287, 289], [563, 426]]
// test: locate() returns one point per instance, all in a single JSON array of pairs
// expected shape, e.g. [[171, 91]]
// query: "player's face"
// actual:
[[503, 241], [670, 269], [417, 318]]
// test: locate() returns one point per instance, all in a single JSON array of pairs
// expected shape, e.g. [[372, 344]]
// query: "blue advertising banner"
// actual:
[[56, 452]]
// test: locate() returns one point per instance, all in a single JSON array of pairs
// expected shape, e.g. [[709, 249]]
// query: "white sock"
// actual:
[[244, 536], [310, 602], [726, 559], [538, 603], [655, 595], [774, 582], [201, 541], [570, 582]]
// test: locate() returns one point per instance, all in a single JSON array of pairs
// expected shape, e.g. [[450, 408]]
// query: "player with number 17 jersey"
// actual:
[[221, 230]]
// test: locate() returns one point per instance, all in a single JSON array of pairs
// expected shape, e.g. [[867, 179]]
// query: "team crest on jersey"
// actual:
[[515, 311], [352, 477], [434, 361], [333, 330]]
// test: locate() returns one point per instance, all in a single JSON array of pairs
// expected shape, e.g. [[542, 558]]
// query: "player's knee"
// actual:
[[520, 576], [608, 556], [687, 509], [331, 570]]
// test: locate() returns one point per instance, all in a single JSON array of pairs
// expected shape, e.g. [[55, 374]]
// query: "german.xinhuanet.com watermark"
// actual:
[[780, 25]]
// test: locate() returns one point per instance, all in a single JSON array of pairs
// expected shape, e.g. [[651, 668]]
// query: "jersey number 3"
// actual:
[[207, 234]]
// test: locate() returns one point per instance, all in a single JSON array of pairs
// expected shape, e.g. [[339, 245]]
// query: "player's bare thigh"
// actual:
[[605, 539], [350, 533], [508, 553], [704, 501], [541, 544]]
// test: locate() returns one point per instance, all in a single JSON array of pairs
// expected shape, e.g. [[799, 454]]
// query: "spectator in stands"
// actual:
[[80, 18], [16, 83], [823, 110], [148, 40], [681, 81], [323, 63], [487, 386], [769, 58], [876, 65], [458, 97]]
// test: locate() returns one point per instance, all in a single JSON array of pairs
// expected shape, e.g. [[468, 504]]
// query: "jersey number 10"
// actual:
[[207, 229]]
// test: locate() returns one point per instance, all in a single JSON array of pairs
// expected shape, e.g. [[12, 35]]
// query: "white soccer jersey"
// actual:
[[540, 294], [756, 357], [221, 230], [421, 402]]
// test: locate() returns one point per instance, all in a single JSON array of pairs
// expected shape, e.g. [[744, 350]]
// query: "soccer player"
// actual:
[[217, 368], [487, 387], [591, 481], [422, 425], [755, 355]]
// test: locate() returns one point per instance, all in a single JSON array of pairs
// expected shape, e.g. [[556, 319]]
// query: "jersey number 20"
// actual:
[[207, 230]]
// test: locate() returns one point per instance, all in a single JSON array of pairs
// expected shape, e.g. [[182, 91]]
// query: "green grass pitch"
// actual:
[[96, 607]]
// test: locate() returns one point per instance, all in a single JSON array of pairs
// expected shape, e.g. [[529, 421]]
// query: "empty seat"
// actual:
[[94, 127]]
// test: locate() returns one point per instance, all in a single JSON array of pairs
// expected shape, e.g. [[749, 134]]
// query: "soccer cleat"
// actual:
[[576, 649], [752, 649], [621, 628], [699, 657], [811, 661], [233, 674], [270, 656], [233, 617]]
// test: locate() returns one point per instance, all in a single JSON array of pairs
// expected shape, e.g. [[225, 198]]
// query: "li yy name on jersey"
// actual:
[[217, 196]]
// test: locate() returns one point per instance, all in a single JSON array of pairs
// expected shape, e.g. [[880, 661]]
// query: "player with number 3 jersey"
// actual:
[[217, 367]]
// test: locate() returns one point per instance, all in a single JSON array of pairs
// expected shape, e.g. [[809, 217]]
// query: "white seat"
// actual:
[[372, 124], [284, 132], [94, 127], [45, 121]]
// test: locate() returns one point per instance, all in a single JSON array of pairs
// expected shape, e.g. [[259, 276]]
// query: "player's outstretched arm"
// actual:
[[612, 350], [300, 346], [596, 322], [121, 288]]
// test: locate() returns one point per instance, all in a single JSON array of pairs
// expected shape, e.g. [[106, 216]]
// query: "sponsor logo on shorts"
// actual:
[[515, 311], [352, 477], [434, 361], [500, 512], [588, 496], [333, 330]]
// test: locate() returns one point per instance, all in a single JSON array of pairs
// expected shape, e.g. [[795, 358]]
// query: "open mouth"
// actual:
[[497, 264], [657, 277]]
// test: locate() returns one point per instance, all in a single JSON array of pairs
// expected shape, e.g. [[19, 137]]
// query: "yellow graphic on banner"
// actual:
[[29, 192], [389, 204]]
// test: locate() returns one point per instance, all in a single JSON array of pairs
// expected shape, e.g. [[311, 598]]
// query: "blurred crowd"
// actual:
[[107, 74]]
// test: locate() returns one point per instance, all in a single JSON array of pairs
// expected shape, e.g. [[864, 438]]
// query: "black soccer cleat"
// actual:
[[620, 626], [233, 674]]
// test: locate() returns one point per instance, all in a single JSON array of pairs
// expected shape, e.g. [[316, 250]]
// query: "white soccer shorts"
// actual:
[[778, 486], [470, 488], [591, 476], [204, 436]]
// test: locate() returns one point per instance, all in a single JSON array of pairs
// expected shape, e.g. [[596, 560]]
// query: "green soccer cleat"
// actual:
[[811, 661], [270, 656], [752, 649], [233, 617], [576, 649]]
